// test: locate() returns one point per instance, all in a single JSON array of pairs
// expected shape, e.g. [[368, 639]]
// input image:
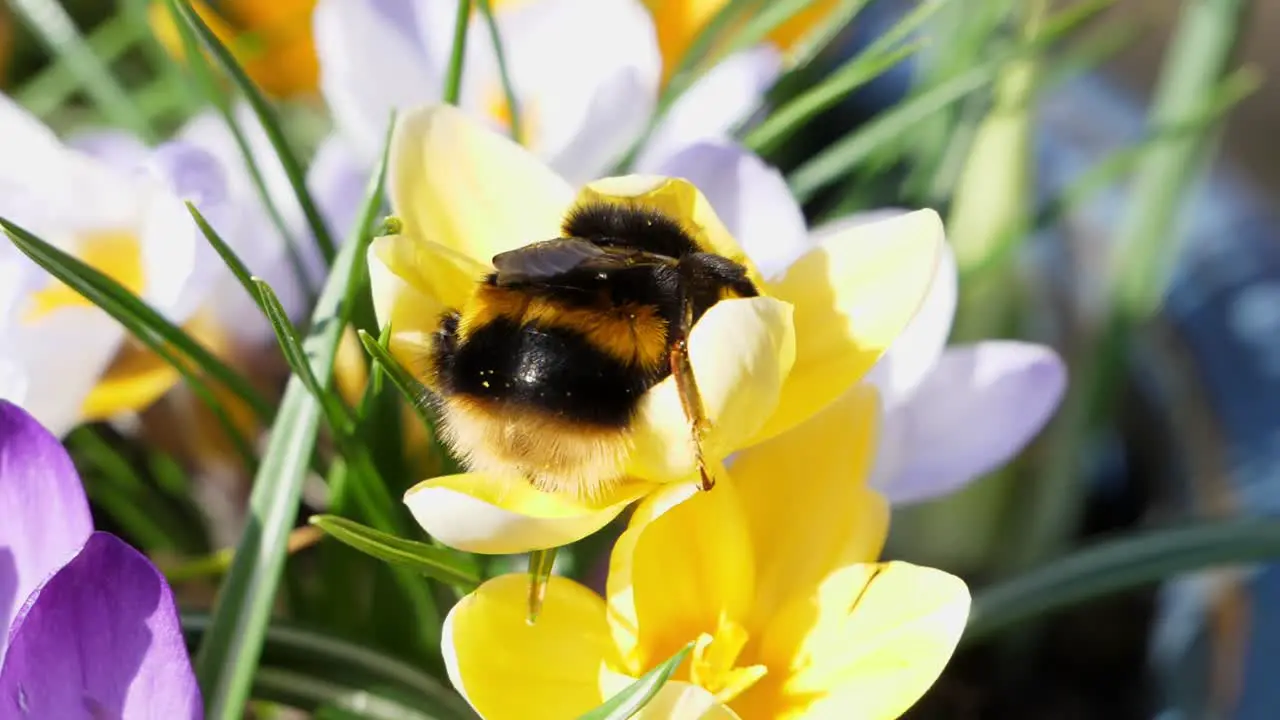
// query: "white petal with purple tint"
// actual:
[[977, 408]]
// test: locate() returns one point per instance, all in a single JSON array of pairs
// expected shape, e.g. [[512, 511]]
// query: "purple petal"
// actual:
[[44, 516], [100, 639], [193, 173], [749, 196], [974, 411]]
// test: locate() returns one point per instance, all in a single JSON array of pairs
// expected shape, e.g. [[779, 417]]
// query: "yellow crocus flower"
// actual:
[[773, 576], [465, 193], [272, 41]]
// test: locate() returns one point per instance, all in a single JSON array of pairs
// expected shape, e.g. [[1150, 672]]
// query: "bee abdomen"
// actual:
[[554, 370]]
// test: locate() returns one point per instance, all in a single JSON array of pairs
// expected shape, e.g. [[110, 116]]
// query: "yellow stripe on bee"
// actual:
[[630, 333]]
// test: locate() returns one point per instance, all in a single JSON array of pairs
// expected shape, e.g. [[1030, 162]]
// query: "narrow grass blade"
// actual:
[[233, 261], [413, 391], [807, 48], [1118, 565], [360, 668], [55, 84], [266, 115], [453, 77], [632, 700], [791, 117], [291, 344], [229, 655], [1192, 76], [448, 566], [508, 90], [142, 320], [54, 27], [215, 93]]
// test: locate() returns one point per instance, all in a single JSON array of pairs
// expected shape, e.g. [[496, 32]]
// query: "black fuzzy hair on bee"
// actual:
[[631, 225]]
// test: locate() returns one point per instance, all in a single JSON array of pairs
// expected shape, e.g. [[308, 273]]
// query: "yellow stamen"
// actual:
[[712, 666]]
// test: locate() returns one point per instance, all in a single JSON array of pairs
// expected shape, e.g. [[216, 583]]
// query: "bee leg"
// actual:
[[687, 386], [691, 401]]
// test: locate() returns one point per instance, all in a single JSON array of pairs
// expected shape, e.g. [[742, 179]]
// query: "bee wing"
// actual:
[[546, 259]]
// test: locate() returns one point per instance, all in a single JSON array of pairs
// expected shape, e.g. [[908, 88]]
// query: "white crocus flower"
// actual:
[[586, 76], [68, 360], [951, 414]]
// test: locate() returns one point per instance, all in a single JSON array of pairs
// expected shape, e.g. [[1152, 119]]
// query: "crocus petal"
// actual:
[[57, 383], [580, 116], [751, 197], [134, 380], [46, 515], [337, 180], [100, 638], [876, 655], [917, 349], [508, 668], [114, 147], [853, 296], [683, 564], [413, 282], [368, 66], [455, 183], [977, 408], [676, 198], [502, 515], [741, 351], [709, 110], [810, 518]]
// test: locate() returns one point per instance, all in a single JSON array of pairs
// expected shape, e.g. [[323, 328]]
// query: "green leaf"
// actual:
[[54, 27], [508, 90], [414, 392], [1119, 565], [453, 77], [183, 14], [541, 565], [229, 654], [368, 675], [290, 343], [448, 566], [229, 256], [209, 87], [638, 694], [879, 57]]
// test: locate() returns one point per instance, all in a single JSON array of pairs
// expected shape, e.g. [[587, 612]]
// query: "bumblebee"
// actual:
[[541, 373]]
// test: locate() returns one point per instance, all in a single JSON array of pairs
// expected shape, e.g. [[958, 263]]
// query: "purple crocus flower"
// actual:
[[88, 626]]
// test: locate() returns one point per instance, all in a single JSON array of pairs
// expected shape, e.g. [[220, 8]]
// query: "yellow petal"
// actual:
[[498, 515], [459, 184], [676, 700], [878, 658], [413, 282], [741, 351], [135, 380], [808, 505], [683, 563], [507, 668], [679, 199], [853, 295]]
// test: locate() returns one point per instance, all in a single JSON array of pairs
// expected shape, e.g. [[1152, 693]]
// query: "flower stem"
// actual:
[[453, 81]]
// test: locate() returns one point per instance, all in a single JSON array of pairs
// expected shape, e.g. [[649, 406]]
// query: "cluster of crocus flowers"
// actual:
[[581, 117], [88, 626], [764, 365], [772, 576]]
